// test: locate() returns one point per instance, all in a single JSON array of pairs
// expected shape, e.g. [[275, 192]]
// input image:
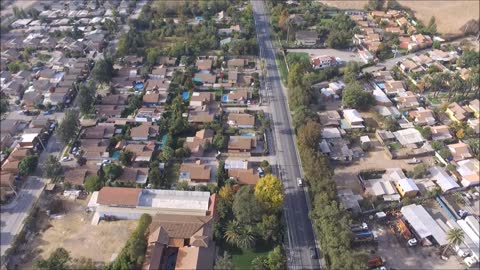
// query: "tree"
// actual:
[[28, 165], [239, 234], [86, 98], [268, 191], [276, 258], [260, 263], [126, 157], [58, 260], [432, 26], [112, 171], [221, 174], [155, 178], [103, 70], [455, 236], [69, 127], [84, 264], [4, 106], [269, 228], [52, 168], [420, 171], [354, 96], [301, 116], [93, 183], [426, 132], [224, 262], [350, 73], [246, 207]]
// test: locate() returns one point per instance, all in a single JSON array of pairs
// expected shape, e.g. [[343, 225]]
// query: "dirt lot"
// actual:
[[74, 232], [450, 15]]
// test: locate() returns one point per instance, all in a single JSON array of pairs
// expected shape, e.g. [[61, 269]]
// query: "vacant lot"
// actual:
[[450, 15], [74, 232]]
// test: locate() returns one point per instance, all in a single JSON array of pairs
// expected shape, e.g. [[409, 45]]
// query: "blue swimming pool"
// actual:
[[248, 135], [224, 98], [116, 154], [381, 85], [139, 86], [185, 95]]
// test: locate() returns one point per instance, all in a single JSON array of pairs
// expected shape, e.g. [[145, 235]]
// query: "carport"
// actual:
[[425, 227]]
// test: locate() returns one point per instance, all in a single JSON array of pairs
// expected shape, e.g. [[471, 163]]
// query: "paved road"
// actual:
[[389, 63], [299, 227]]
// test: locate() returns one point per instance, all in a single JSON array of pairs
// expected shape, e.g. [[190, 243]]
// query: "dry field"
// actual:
[[75, 233], [451, 15]]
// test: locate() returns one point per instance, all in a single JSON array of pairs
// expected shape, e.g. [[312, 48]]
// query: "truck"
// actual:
[[359, 227], [365, 236]]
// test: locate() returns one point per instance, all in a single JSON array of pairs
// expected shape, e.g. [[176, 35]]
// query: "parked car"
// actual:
[[299, 182], [313, 253], [64, 159], [412, 242]]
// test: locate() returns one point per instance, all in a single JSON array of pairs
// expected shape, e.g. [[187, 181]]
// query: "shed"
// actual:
[[423, 224]]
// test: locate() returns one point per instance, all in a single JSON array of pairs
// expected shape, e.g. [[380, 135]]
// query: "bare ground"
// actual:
[[450, 15], [75, 233]]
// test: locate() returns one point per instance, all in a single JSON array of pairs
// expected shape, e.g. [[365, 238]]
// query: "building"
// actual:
[[406, 187], [323, 61], [474, 105], [241, 144], [440, 133], [306, 38], [424, 226], [144, 132], [353, 119], [423, 117], [199, 99], [195, 173], [196, 144], [440, 177], [241, 120], [381, 98], [458, 113], [469, 171], [244, 176], [408, 136], [460, 151], [131, 203], [204, 64], [329, 118]]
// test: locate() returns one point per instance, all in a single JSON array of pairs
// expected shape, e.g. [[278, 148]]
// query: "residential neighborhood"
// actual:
[[237, 135]]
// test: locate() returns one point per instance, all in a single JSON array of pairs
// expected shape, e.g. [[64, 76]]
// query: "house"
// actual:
[[199, 99], [12, 126], [131, 203], [423, 117], [10, 166], [110, 110], [474, 105], [406, 187], [469, 171], [297, 19], [167, 60], [133, 175], [157, 85], [381, 188], [393, 88], [244, 176], [336, 149], [6, 141], [241, 120], [205, 78], [352, 118], [101, 131], [154, 99], [76, 176], [201, 115], [158, 72], [323, 61], [114, 99], [197, 143], [237, 64], [408, 136], [306, 38], [442, 179], [458, 113], [424, 226], [331, 133], [190, 236], [422, 41], [329, 118], [474, 124], [407, 101], [143, 132], [440, 133], [241, 144], [233, 77], [141, 152], [381, 98], [385, 137], [195, 173], [95, 149], [149, 114], [204, 64], [460, 151], [237, 96]]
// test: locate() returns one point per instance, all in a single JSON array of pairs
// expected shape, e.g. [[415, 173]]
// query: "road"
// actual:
[[389, 63], [299, 227]]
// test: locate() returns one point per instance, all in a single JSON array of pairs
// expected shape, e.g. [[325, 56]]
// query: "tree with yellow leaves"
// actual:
[[268, 190]]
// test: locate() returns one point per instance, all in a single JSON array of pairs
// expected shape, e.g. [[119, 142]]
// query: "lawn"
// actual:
[[395, 146], [242, 259], [282, 67]]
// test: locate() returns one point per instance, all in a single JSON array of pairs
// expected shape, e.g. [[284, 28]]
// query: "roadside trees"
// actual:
[[69, 127], [52, 168], [28, 165]]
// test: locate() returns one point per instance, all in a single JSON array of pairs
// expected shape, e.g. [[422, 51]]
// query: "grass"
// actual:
[[395, 146], [242, 259], [282, 67]]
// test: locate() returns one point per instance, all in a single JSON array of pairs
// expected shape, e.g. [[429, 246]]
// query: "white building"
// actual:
[[442, 179]]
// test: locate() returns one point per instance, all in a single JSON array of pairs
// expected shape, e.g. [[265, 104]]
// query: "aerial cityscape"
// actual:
[[240, 134]]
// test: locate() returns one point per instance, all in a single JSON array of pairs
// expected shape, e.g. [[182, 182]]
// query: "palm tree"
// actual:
[[457, 84], [239, 235], [455, 236], [247, 238], [232, 234]]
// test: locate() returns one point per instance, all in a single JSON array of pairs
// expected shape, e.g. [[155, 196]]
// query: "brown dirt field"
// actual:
[[75, 233], [450, 15]]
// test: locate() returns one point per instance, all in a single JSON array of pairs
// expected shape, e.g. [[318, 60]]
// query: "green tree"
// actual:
[[420, 171], [93, 183], [276, 258], [28, 165], [103, 70], [84, 264], [156, 179], [4, 106], [112, 171], [52, 168], [221, 174], [269, 191], [224, 262], [58, 260], [455, 236], [239, 234], [354, 96], [301, 116], [246, 207], [350, 72], [126, 157], [69, 127], [86, 98], [269, 228]]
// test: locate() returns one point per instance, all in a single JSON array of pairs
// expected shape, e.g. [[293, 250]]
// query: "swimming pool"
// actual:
[[185, 95], [224, 98], [381, 85], [139, 86], [248, 135], [116, 154]]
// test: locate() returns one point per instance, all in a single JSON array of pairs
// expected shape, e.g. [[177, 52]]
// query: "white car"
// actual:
[[299, 182], [64, 159], [412, 242]]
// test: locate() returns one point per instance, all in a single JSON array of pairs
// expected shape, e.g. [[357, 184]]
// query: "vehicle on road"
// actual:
[[414, 161], [299, 181], [412, 242], [64, 159], [313, 253]]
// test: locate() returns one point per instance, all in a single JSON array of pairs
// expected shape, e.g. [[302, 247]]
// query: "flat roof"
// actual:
[[423, 223], [440, 176], [174, 199]]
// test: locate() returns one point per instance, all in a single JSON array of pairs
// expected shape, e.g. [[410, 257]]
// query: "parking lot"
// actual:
[[344, 55]]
